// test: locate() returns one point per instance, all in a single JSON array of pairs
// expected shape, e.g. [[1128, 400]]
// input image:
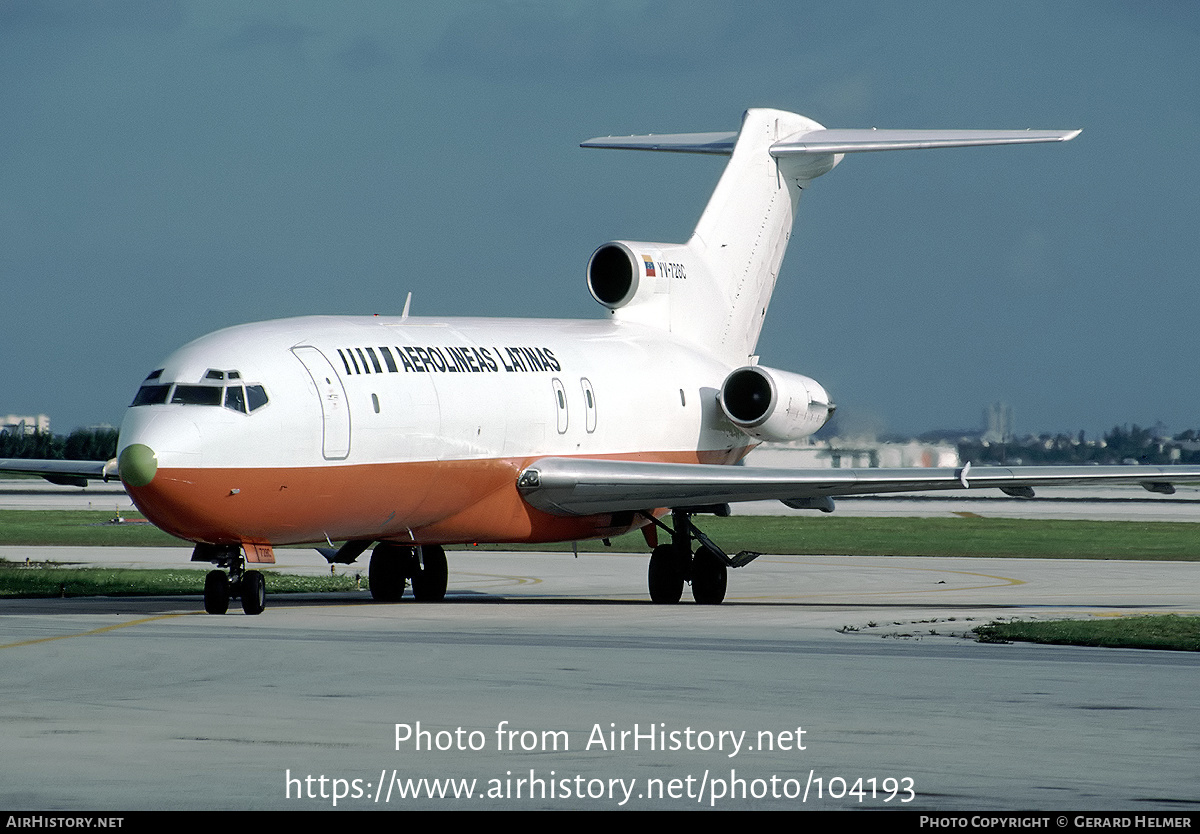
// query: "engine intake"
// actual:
[[637, 277], [612, 275], [773, 405]]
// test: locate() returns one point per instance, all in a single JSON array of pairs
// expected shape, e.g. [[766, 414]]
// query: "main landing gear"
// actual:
[[239, 583], [393, 565], [673, 564]]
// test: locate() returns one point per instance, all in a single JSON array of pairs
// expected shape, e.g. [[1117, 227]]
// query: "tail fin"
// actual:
[[715, 289]]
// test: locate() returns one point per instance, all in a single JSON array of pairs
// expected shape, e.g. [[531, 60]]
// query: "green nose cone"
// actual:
[[137, 464]]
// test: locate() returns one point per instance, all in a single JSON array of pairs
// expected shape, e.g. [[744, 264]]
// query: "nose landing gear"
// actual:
[[239, 583]]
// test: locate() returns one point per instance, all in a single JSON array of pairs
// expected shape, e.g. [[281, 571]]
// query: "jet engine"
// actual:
[[774, 405], [622, 270]]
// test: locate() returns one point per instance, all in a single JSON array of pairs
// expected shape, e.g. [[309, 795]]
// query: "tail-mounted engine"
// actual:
[[774, 405], [625, 273]]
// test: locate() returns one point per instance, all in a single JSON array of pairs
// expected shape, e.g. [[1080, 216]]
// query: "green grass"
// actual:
[[45, 579], [982, 537], [805, 535], [85, 528], [1168, 631]]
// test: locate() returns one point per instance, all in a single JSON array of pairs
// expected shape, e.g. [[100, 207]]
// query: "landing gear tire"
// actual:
[[665, 575], [216, 592], [709, 577], [429, 582], [254, 592], [387, 572]]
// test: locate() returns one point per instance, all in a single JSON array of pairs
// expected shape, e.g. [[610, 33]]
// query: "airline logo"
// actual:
[[649, 266], [446, 359]]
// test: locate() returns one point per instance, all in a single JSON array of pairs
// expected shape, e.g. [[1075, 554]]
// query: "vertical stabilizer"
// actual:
[[742, 236], [715, 289]]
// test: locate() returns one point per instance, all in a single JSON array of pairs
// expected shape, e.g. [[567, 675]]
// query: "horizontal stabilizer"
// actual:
[[714, 143], [851, 140], [854, 141]]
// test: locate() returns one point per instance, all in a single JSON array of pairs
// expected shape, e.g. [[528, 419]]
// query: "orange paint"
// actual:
[[430, 502]]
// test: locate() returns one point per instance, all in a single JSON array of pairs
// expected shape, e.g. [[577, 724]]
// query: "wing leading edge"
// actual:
[[63, 472], [580, 486]]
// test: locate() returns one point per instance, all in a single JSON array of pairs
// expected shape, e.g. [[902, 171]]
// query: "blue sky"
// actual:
[[170, 168]]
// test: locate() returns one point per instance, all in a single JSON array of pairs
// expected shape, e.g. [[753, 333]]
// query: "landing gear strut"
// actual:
[[239, 583], [673, 564], [393, 565]]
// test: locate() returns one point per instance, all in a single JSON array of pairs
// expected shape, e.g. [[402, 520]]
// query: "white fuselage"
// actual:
[[414, 428]]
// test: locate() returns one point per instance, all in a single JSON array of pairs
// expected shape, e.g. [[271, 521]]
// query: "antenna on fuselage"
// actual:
[[407, 302]]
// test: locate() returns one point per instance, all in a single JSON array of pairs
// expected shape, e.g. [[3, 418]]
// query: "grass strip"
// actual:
[[963, 537], [83, 528], [1161, 631], [803, 535]]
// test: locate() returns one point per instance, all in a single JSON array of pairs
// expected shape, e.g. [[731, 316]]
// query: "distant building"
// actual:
[[14, 424], [998, 420], [853, 453]]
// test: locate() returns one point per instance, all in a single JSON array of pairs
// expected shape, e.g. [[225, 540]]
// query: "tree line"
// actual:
[[81, 444], [1123, 444]]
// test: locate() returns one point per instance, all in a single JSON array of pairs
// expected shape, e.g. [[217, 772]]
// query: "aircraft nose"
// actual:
[[137, 464], [153, 441]]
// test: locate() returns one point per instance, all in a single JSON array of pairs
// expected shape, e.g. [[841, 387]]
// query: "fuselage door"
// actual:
[[589, 404], [335, 409], [560, 403]]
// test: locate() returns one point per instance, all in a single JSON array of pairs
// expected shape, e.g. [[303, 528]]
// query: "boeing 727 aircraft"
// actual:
[[407, 434]]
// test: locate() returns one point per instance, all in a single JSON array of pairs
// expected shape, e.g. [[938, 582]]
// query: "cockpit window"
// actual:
[[151, 395], [197, 395], [235, 399], [155, 374], [256, 396]]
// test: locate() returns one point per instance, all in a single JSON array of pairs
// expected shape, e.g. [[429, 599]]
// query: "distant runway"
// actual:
[[117, 704], [1104, 503], [38, 494]]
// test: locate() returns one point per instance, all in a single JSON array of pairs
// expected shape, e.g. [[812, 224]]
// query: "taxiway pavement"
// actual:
[[119, 704]]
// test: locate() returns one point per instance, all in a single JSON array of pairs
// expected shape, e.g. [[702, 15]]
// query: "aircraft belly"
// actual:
[[477, 501]]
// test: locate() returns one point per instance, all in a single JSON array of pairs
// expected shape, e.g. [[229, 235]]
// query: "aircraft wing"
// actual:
[[63, 472], [580, 486]]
